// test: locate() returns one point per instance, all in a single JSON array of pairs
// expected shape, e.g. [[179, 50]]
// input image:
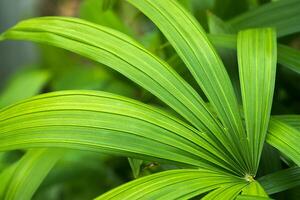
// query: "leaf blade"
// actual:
[[191, 43], [30, 172], [121, 53], [257, 68], [171, 184], [281, 180], [56, 120], [285, 138], [283, 15]]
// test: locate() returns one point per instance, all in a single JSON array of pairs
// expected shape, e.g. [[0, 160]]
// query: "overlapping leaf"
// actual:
[[192, 45], [29, 173], [291, 120], [87, 120], [283, 15], [174, 184], [287, 56], [285, 138], [281, 180], [23, 85], [121, 53]]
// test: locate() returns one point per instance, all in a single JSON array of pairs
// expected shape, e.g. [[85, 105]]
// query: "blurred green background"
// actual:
[[27, 69]]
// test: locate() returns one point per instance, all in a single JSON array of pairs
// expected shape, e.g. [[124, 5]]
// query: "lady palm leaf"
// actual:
[[88, 121], [283, 15], [121, 53], [175, 184], [285, 138], [28, 173], [192, 45], [281, 180], [287, 56], [227, 155], [257, 69]]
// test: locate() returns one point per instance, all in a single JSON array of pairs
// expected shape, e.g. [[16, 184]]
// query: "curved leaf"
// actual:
[[283, 15], [291, 120], [227, 191], [289, 57], [285, 138], [172, 184], [192, 45], [281, 180], [30, 172], [22, 86], [99, 121], [121, 53]]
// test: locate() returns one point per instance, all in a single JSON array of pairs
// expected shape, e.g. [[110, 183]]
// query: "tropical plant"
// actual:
[[217, 143]]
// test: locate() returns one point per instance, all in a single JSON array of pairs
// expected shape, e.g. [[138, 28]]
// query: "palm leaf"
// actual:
[[121, 53], [29, 173], [227, 191], [5, 176], [283, 15], [287, 56], [254, 189], [88, 121], [135, 165], [23, 85], [281, 180], [251, 197], [257, 68], [192, 45], [172, 184], [285, 138], [291, 120]]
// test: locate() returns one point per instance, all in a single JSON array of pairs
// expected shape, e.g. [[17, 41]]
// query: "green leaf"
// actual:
[[30, 172], [218, 26], [192, 45], [86, 120], [227, 191], [257, 68], [5, 178], [281, 180], [254, 189], [23, 85], [285, 138], [291, 120], [287, 56], [172, 184], [283, 15], [121, 53], [251, 197], [135, 165]]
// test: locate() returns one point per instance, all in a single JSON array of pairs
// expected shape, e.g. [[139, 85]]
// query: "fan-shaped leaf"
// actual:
[[192, 45]]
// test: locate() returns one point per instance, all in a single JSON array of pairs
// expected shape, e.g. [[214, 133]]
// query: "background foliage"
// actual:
[[79, 174]]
